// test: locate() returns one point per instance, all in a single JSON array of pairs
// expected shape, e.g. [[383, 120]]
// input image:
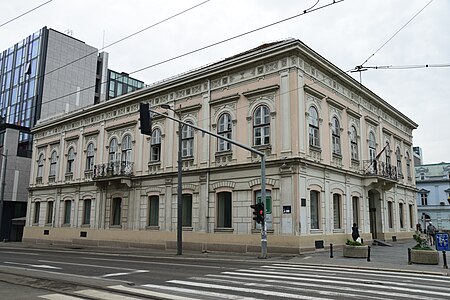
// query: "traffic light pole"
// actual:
[[263, 173]]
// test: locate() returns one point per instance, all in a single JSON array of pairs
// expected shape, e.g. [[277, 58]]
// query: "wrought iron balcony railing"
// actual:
[[380, 168], [113, 169]]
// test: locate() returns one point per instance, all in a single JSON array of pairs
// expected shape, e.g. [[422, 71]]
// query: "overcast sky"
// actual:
[[346, 33]]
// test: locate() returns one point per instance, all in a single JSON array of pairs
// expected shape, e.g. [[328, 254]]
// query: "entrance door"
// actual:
[[373, 222]]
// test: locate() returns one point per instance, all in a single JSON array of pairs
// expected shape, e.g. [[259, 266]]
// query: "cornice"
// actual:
[[122, 125], [313, 92], [228, 98], [263, 90]]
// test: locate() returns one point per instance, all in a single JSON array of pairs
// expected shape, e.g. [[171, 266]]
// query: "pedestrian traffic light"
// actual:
[[258, 211], [146, 119]]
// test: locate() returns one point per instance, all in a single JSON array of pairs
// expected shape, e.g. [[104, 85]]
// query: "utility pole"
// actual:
[[2, 184]]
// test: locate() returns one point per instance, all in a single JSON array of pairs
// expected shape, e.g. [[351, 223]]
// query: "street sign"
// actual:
[[442, 242]]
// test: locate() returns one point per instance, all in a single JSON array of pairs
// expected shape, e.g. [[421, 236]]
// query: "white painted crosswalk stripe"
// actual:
[[284, 280]]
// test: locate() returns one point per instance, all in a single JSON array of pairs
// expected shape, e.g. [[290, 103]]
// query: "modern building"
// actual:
[[433, 197], [418, 157], [47, 73], [336, 153]]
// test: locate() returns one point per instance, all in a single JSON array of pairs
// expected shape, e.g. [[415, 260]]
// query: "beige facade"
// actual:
[[336, 153]]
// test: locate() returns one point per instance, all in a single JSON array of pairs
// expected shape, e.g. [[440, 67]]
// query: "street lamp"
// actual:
[[2, 185], [180, 183]]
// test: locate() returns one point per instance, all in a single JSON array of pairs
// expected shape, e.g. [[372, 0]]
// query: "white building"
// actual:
[[336, 154]]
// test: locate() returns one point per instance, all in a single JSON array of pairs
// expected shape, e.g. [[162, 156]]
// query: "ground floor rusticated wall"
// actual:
[[311, 207]]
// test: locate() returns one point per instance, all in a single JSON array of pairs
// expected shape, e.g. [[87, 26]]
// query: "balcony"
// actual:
[[114, 171], [379, 174]]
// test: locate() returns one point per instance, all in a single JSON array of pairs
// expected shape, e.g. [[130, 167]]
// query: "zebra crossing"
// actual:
[[284, 281]]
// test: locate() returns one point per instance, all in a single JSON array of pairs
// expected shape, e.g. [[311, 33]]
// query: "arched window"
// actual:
[[408, 165], [336, 136], [372, 146], [224, 129], [70, 160], [313, 121], [261, 126], [126, 149], [399, 161], [53, 164], [155, 145], [388, 154], [354, 143], [40, 167], [314, 209], [113, 149], [90, 152], [187, 137]]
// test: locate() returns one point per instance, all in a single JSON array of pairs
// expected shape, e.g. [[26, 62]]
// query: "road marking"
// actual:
[[19, 253], [153, 263], [345, 281], [86, 265], [247, 290], [104, 295], [198, 292], [59, 297], [150, 293], [31, 265], [125, 273], [278, 283]]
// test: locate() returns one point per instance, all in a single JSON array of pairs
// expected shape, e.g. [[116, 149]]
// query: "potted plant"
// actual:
[[355, 249], [421, 253]]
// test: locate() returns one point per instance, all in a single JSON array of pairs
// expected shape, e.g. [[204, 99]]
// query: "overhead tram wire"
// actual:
[[25, 13], [407, 67], [361, 67], [127, 37], [205, 47]]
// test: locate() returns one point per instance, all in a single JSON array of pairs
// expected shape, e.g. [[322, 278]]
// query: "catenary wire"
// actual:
[[25, 13], [202, 48], [401, 28]]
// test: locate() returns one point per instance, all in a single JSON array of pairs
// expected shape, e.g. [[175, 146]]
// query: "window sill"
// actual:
[[338, 230], [152, 227], [65, 225], [47, 225], [316, 231], [263, 147], [85, 225], [115, 226], [224, 153], [187, 228], [255, 230], [35, 224], [224, 230]]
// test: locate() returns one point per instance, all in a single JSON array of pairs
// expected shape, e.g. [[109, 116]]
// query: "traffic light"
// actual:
[[258, 211], [146, 118]]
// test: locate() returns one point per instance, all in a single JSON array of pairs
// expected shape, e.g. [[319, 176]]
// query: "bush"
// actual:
[[353, 243], [421, 242]]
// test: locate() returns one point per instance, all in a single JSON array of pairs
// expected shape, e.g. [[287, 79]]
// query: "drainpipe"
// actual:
[[208, 162]]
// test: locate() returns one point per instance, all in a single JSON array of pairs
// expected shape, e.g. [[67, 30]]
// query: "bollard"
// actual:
[[368, 253], [331, 250], [409, 256], [445, 260]]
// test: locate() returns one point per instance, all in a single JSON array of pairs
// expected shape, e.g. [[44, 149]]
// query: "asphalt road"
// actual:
[[54, 274]]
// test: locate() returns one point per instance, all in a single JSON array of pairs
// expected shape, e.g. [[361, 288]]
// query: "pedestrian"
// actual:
[[431, 231], [355, 232]]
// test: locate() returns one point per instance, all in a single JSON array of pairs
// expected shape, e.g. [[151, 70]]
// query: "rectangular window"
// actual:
[[337, 211], [390, 215], [187, 210], [355, 206], [87, 211], [153, 211], [67, 210], [224, 210], [401, 215], [314, 199], [37, 211], [49, 212], [424, 198], [116, 211]]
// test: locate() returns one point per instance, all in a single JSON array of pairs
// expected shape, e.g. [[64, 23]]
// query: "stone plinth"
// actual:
[[356, 251], [426, 257]]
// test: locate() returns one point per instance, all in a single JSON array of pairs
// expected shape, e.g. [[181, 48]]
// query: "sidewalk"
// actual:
[[381, 257]]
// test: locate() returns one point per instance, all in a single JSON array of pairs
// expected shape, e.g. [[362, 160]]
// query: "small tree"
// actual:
[[421, 242]]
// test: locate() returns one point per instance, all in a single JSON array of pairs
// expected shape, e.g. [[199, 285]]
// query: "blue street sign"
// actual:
[[442, 242]]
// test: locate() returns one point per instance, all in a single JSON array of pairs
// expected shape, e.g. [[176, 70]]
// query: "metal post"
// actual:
[[2, 185], [331, 251], [263, 196], [180, 191], [445, 259], [368, 253], [409, 256]]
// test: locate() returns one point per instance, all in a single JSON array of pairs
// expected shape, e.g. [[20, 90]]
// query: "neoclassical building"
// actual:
[[336, 154]]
